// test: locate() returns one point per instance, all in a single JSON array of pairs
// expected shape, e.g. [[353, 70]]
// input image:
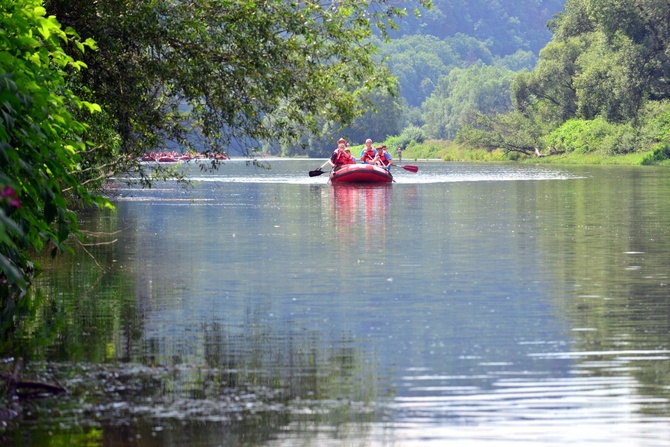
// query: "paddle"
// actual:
[[315, 172], [318, 171], [410, 168]]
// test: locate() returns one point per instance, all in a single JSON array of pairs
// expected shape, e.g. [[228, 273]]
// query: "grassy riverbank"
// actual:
[[450, 151]]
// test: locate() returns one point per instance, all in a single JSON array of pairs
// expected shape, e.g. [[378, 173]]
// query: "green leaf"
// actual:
[[50, 212], [10, 270]]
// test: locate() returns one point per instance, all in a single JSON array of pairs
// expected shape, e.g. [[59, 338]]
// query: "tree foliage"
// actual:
[[201, 74], [514, 132], [606, 59], [593, 83], [211, 75], [418, 61], [464, 93], [41, 145], [506, 26]]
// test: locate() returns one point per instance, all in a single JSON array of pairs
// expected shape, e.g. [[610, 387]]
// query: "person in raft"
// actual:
[[339, 156], [350, 160], [382, 158], [368, 152]]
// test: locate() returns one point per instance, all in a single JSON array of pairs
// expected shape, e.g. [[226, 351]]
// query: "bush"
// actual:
[[660, 153], [656, 119], [622, 139], [409, 135], [597, 135]]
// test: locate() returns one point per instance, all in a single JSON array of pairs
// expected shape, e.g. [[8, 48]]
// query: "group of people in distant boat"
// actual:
[[375, 156], [174, 156]]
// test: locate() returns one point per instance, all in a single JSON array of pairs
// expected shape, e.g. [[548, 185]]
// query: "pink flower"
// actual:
[[9, 193]]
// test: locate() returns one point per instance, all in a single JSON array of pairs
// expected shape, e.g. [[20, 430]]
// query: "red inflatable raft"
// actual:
[[360, 173]]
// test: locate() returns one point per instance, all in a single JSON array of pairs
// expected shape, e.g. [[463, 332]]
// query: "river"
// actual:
[[465, 304]]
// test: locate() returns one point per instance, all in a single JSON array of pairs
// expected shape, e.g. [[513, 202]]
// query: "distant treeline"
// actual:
[[600, 82], [481, 43]]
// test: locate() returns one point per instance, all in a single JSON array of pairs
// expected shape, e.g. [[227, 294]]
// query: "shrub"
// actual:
[[656, 119], [660, 153], [410, 134], [597, 135]]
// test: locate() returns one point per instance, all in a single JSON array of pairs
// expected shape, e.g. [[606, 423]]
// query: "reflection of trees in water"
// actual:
[[612, 251], [298, 365], [247, 383], [61, 318]]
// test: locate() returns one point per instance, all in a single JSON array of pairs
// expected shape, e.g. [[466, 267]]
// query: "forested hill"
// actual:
[[505, 26], [458, 57]]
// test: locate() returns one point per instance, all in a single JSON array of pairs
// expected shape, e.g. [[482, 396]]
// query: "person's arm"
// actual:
[[333, 159]]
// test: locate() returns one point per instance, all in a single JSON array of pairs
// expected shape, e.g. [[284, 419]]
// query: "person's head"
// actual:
[[368, 142], [380, 148], [341, 146], [341, 140], [348, 152]]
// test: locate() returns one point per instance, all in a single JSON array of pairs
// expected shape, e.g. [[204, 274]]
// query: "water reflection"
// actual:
[[361, 210], [477, 305]]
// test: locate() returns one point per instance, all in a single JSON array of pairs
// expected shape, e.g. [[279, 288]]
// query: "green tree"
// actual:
[[521, 60], [606, 59], [549, 90], [608, 82], [470, 50], [505, 25], [514, 132], [379, 121], [464, 93], [41, 145], [227, 73], [418, 62]]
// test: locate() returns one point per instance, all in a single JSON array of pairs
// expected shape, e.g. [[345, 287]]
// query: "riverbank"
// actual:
[[451, 151]]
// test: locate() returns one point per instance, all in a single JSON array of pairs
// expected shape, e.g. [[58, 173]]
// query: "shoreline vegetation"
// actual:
[[450, 151]]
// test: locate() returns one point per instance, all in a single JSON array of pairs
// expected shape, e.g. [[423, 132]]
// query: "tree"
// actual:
[[213, 75], [606, 59], [608, 82], [514, 132], [505, 25], [418, 62], [165, 72], [380, 121], [41, 144], [465, 92], [549, 89]]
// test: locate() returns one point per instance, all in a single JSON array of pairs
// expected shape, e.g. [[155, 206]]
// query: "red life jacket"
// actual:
[[367, 156], [338, 158], [384, 158]]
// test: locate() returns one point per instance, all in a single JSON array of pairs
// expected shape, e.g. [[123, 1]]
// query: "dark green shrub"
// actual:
[[661, 152]]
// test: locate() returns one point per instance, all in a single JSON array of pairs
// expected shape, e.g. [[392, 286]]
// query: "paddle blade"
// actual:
[[410, 168], [315, 173]]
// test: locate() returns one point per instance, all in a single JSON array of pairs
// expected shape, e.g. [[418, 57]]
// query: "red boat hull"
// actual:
[[360, 173]]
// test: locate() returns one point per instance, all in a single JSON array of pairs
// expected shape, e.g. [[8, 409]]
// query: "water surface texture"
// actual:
[[461, 305]]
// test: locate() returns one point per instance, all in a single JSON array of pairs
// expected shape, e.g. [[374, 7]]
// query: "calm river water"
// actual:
[[465, 304]]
